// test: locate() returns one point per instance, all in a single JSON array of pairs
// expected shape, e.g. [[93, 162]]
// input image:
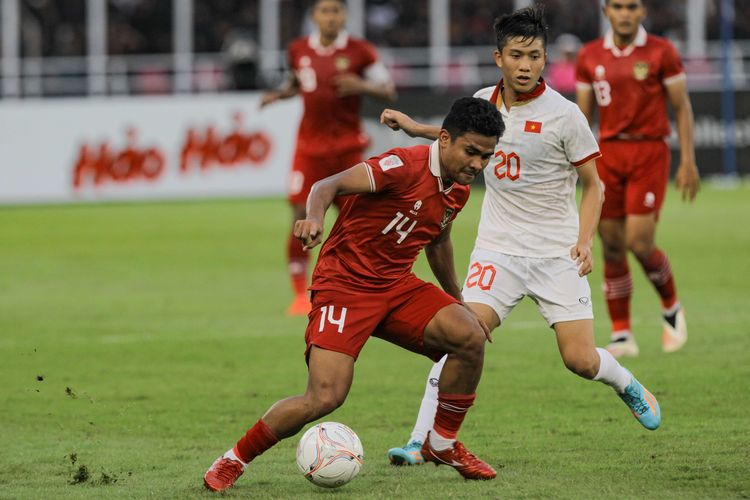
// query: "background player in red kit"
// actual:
[[363, 285], [331, 71], [632, 75]]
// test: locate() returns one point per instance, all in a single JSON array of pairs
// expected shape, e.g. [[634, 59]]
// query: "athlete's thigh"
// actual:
[[560, 294], [303, 175], [414, 305], [495, 280], [329, 371], [648, 179], [610, 167], [342, 320]]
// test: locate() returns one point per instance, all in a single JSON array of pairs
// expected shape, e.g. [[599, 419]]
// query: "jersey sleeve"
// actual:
[[583, 75], [388, 170], [671, 63], [578, 140], [369, 54]]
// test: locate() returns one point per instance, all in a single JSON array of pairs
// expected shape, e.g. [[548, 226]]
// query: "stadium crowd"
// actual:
[[226, 32]]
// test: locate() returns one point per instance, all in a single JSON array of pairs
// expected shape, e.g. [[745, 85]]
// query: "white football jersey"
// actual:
[[529, 207]]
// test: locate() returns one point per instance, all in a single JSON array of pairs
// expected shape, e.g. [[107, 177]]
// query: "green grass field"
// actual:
[[138, 342]]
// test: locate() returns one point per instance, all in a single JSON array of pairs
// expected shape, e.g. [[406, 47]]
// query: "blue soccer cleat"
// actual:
[[642, 404], [411, 454]]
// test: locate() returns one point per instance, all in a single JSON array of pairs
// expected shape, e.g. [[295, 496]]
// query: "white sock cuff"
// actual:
[[611, 372]]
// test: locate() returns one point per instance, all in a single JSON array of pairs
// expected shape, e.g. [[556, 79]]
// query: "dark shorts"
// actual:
[[635, 176], [343, 320], [307, 170]]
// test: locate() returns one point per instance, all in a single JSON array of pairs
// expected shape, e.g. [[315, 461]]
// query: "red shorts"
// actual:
[[635, 176], [343, 320], [307, 170]]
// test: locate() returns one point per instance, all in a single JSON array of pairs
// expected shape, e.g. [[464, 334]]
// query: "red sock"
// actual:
[[659, 272], [258, 439], [450, 413], [297, 260], [618, 287]]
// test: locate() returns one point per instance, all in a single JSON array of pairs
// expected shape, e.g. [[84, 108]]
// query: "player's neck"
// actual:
[[622, 41], [327, 40]]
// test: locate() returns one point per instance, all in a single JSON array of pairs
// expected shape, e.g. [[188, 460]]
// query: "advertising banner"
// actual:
[[102, 149]]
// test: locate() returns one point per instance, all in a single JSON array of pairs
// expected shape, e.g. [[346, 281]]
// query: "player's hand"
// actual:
[[687, 180], [348, 84], [581, 253], [485, 328], [268, 98], [396, 120], [310, 232]]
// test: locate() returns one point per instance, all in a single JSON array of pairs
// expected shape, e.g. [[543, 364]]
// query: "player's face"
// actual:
[[625, 16], [462, 159], [521, 62], [330, 17]]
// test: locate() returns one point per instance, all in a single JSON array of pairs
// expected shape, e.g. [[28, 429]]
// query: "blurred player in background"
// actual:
[[531, 241], [332, 71], [363, 285], [632, 75]]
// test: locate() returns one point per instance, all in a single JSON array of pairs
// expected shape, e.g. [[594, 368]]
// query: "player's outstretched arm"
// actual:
[[397, 120], [351, 181], [591, 207], [290, 89], [687, 178]]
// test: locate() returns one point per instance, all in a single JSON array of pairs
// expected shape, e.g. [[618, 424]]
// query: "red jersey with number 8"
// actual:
[[378, 235], [330, 123], [630, 84]]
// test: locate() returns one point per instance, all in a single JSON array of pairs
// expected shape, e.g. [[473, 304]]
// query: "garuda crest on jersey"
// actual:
[[342, 63], [640, 70], [446, 217]]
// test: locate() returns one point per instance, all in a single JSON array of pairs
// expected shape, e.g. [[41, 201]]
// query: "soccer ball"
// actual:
[[329, 454]]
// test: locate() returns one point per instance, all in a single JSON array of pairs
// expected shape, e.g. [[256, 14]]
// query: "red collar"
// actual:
[[539, 90]]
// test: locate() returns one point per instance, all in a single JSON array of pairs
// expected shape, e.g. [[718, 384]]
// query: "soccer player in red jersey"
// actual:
[[363, 285], [632, 75], [331, 71]]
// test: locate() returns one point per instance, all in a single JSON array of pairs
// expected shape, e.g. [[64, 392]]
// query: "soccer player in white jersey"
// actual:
[[531, 240]]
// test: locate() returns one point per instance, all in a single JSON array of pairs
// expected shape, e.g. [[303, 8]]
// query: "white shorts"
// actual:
[[501, 281]]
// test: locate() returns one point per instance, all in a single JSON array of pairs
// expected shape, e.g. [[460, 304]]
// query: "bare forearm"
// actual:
[[591, 207], [383, 92], [684, 118], [440, 258], [320, 198]]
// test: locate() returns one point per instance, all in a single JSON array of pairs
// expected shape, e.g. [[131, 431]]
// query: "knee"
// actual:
[[582, 365], [328, 401], [471, 340], [320, 404], [641, 247]]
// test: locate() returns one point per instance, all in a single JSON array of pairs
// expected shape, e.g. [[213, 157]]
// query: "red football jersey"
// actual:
[[378, 236], [330, 124], [629, 84]]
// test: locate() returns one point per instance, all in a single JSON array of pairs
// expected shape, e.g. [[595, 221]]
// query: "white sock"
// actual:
[[440, 443], [621, 334], [426, 415], [611, 372], [230, 454], [672, 310]]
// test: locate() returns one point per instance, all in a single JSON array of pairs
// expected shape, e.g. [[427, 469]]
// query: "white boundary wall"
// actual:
[[103, 149]]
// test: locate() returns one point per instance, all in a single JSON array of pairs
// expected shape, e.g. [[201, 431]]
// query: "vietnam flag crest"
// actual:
[[533, 127]]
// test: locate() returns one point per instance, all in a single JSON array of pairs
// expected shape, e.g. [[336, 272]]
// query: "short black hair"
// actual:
[[342, 2], [471, 114], [527, 23]]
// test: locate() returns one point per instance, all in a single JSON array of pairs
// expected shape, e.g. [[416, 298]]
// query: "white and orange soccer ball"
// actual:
[[329, 454]]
